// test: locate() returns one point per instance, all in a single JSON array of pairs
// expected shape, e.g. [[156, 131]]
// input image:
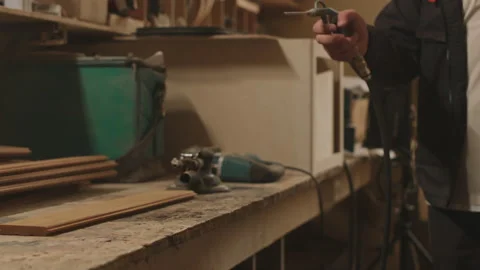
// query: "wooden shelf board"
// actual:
[[280, 4], [13, 16], [244, 36], [214, 37]]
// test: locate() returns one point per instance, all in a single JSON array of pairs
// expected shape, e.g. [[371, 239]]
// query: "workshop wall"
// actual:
[[219, 99]]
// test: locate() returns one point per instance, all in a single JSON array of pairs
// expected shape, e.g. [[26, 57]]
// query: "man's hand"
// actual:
[[338, 46]]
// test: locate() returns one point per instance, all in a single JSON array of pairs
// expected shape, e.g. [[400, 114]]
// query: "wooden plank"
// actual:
[[167, 8], [218, 14], [9, 16], [252, 23], [4, 161], [180, 13], [146, 11], [248, 6], [231, 13], [88, 213], [243, 17], [118, 214], [12, 151], [61, 172], [68, 180], [30, 166]]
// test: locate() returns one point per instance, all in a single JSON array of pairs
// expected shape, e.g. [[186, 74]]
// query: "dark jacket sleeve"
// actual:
[[393, 49]]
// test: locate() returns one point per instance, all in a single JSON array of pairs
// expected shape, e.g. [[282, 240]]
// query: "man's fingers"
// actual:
[[340, 53], [338, 45], [337, 56], [335, 39], [351, 20], [353, 39], [320, 28], [345, 56], [347, 18], [338, 50], [343, 47]]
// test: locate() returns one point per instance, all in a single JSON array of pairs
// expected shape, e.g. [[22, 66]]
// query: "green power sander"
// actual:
[[204, 169]]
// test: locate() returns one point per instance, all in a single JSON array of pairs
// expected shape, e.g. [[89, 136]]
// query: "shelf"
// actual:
[[20, 17], [244, 36], [280, 4], [214, 37]]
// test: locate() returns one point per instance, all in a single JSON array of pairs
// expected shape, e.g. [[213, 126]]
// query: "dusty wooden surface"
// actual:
[[109, 245]]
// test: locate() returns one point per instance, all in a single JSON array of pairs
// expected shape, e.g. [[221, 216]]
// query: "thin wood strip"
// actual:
[[4, 161], [54, 173], [199, 14], [167, 7], [93, 209], [218, 14], [30, 166], [46, 231], [203, 12], [13, 151], [84, 214], [231, 12], [118, 214], [252, 23], [46, 162], [248, 6], [193, 9], [179, 11], [56, 182]]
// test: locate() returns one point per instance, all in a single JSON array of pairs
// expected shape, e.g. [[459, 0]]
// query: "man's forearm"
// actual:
[[391, 61]]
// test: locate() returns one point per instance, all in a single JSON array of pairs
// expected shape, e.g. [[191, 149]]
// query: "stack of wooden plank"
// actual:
[[24, 176], [11, 154]]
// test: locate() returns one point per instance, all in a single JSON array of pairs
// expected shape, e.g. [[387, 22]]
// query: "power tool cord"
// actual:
[[319, 195], [377, 101], [377, 96], [353, 248], [353, 258]]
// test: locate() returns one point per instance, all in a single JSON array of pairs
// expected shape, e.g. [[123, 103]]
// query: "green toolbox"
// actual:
[[62, 105]]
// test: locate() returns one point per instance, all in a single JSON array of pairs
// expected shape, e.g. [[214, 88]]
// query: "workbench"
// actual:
[[215, 231]]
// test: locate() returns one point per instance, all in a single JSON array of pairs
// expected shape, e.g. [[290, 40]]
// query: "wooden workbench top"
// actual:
[[110, 245]]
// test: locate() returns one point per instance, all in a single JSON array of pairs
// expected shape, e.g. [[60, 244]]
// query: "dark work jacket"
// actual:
[[418, 38]]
